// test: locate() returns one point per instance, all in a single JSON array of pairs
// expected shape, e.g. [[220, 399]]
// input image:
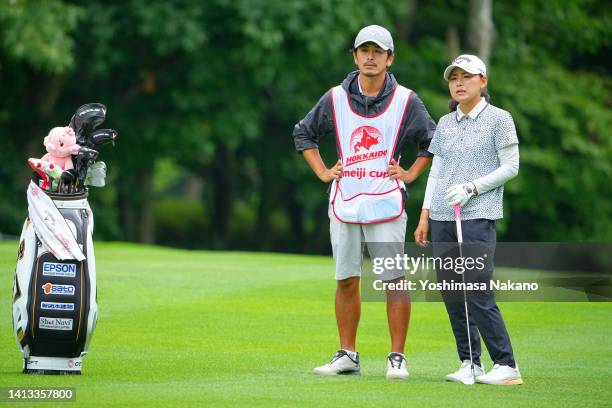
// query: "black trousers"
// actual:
[[479, 237]]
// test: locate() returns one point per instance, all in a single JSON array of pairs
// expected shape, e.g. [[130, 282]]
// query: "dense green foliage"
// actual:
[[227, 329], [206, 94]]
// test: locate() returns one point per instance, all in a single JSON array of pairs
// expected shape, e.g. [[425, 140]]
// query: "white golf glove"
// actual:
[[460, 193]]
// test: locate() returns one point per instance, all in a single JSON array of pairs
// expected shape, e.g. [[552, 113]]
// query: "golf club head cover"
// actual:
[[85, 120], [100, 137], [46, 170], [86, 153], [61, 144], [96, 175]]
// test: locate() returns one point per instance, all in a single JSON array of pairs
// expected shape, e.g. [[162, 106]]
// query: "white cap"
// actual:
[[376, 34], [468, 63]]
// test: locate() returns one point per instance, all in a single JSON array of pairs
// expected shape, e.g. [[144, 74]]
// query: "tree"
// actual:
[[215, 88]]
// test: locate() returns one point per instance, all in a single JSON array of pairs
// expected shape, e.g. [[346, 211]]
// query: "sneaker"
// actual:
[[341, 363], [396, 366], [501, 375], [465, 371]]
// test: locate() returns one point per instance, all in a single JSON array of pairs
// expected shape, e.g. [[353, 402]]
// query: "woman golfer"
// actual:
[[475, 150]]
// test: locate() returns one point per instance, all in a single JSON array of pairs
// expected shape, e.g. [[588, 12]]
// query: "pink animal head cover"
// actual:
[[61, 142]]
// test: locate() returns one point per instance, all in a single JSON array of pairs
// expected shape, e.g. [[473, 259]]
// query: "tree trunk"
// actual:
[[404, 26], [452, 42], [127, 213], [222, 185], [263, 213], [146, 231], [135, 201], [194, 187], [481, 30], [296, 216]]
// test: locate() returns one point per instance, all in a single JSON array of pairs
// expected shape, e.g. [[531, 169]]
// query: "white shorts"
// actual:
[[348, 241]]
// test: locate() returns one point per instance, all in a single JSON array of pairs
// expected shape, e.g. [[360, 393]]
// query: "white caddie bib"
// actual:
[[365, 194]]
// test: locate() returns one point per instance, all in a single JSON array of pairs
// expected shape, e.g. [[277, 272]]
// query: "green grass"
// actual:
[[182, 328]]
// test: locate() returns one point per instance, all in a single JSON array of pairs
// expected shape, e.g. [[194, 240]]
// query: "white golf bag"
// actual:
[[54, 295]]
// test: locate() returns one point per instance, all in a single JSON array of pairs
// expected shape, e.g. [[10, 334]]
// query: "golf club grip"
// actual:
[[458, 223]]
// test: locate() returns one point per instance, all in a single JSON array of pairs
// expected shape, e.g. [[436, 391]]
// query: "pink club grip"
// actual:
[[458, 211]]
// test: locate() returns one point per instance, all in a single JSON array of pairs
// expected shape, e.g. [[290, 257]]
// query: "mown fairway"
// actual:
[[181, 328]]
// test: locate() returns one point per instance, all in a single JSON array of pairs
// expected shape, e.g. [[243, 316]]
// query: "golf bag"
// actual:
[[54, 301], [54, 294]]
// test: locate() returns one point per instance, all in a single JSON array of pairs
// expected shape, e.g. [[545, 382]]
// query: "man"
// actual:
[[373, 119]]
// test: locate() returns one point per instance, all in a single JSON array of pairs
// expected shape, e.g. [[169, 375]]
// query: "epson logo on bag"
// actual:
[[54, 323], [57, 306], [67, 270], [55, 289]]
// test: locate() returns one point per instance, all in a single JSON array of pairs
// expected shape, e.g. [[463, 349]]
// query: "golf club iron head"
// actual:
[[68, 177], [85, 158], [470, 380]]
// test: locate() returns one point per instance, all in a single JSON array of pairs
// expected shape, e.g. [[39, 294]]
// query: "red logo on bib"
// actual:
[[365, 137]]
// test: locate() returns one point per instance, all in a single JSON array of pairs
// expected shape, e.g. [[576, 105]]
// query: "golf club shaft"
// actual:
[[465, 304]]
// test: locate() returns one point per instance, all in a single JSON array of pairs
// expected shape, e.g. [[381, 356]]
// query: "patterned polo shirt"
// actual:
[[467, 146]]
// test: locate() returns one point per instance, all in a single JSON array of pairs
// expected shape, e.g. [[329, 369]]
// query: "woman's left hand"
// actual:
[[460, 193]]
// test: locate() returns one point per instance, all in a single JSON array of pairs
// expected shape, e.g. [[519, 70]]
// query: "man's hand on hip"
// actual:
[[395, 171], [315, 162], [334, 173]]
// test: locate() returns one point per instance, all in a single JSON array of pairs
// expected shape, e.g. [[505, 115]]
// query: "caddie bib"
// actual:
[[365, 194]]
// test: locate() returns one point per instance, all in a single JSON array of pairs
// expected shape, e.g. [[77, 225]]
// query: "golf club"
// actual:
[[472, 379], [85, 120], [85, 158], [67, 178], [101, 137], [50, 173]]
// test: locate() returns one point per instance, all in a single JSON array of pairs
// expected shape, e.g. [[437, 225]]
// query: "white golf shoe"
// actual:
[[501, 375], [465, 372], [341, 363], [396, 366]]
